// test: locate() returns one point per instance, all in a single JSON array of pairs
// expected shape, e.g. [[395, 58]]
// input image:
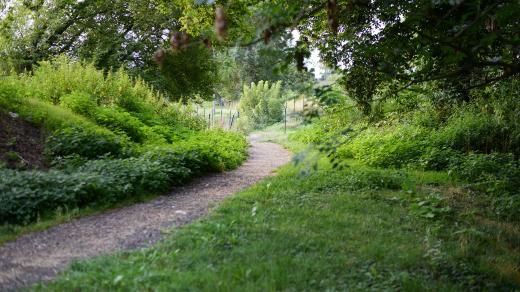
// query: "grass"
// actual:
[[355, 229]]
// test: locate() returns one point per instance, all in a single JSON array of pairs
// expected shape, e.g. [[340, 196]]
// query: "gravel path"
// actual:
[[39, 256]]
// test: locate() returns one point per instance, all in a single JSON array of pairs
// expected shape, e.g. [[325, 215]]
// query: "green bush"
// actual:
[[88, 142], [111, 138], [434, 158], [79, 103], [472, 131], [496, 172], [26, 195], [496, 175], [50, 81], [120, 121], [260, 105], [394, 147], [218, 150]]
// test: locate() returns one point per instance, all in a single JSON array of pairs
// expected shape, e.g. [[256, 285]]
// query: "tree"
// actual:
[[462, 45], [110, 34]]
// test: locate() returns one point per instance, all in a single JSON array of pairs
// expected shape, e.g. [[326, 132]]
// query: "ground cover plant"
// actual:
[[108, 138]]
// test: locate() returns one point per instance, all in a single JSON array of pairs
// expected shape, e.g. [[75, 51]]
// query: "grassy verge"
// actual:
[[353, 229]]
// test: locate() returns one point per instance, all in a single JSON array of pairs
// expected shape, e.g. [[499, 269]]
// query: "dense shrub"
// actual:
[[497, 175], [494, 172], [437, 158], [52, 80], [88, 142], [111, 138], [79, 102], [473, 131], [394, 147], [25, 195], [120, 121], [138, 174], [260, 105], [217, 149]]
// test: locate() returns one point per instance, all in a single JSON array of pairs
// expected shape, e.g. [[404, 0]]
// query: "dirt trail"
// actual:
[[39, 256]]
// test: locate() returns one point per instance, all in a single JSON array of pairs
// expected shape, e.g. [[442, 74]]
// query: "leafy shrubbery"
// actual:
[[109, 138], [260, 105], [86, 142], [496, 175], [478, 142]]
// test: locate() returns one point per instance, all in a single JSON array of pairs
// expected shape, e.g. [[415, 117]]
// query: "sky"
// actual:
[[314, 61]]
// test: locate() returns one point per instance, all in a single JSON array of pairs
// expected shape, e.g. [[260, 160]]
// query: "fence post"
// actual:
[[285, 119]]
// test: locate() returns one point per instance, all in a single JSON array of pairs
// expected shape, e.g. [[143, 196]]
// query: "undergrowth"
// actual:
[[109, 138]]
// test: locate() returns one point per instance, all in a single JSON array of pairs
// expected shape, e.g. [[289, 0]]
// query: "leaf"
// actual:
[[118, 279]]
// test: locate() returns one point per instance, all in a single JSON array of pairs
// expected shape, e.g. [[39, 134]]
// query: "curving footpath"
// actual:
[[39, 256]]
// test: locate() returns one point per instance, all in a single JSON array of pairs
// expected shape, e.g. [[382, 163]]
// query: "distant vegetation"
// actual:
[[260, 105]]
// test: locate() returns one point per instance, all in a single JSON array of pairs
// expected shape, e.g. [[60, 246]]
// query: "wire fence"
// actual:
[[225, 114]]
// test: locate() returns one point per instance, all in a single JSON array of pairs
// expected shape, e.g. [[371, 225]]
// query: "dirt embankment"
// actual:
[[21, 143]]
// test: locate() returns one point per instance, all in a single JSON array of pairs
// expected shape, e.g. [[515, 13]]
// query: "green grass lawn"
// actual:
[[328, 229]]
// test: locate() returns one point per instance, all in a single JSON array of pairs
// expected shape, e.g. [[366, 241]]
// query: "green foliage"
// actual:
[[430, 207], [111, 137], [330, 230], [78, 102], [26, 195], [51, 80], [393, 147], [120, 121], [88, 142], [260, 105], [190, 71], [110, 34], [496, 175], [436, 158], [474, 131], [217, 150]]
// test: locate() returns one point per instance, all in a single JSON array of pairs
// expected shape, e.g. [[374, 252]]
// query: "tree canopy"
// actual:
[[459, 45], [462, 45]]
